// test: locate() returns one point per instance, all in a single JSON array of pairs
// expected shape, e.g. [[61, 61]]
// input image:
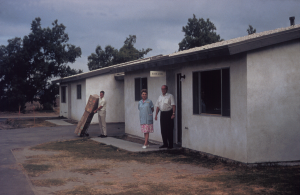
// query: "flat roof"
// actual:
[[218, 49]]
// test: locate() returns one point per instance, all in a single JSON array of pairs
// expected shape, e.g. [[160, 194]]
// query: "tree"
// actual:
[[48, 96], [68, 71], [27, 65], [251, 30], [198, 32], [101, 58], [110, 56], [128, 52]]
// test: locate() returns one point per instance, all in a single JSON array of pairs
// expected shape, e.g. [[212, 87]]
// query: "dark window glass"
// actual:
[[211, 92], [143, 84], [137, 90], [225, 92], [63, 94], [78, 91], [140, 83]]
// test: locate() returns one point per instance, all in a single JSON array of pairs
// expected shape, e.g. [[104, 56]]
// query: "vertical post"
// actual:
[[292, 20], [178, 109]]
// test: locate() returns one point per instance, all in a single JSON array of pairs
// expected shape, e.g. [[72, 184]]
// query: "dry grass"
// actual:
[[82, 190], [91, 170], [35, 170], [144, 189], [86, 148], [52, 182], [25, 123], [223, 179]]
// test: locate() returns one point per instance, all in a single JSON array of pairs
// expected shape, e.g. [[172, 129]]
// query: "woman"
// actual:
[[146, 109]]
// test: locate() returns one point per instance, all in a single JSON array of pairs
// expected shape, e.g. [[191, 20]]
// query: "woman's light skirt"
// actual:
[[147, 128]]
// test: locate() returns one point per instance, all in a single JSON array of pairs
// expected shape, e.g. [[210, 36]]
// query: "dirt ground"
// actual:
[[30, 112], [24, 123], [83, 166], [16, 120]]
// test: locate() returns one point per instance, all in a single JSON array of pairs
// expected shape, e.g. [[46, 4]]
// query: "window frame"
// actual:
[[63, 94], [137, 92], [79, 95], [197, 89]]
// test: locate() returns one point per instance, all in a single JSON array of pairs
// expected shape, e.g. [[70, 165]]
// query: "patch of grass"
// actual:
[[272, 179], [82, 190], [49, 182], [38, 159], [26, 123], [282, 180], [108, 183], [182, 177], [157, 188], [35, 170], [86, 148], [85, 170], [130, 186], [52, 182], [90, 170]]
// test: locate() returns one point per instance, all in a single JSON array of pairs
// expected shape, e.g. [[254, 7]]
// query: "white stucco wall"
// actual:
[[114, 95], [217, 135], [273, 88], [73, 108], [77, 105], [132, 122]]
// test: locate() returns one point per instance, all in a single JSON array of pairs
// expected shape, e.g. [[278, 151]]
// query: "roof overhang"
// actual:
[[160, 61], [264, 41]]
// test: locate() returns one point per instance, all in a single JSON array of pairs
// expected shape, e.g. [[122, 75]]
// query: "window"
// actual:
[[63, 94], [140, 83], [78, 91], [211, 92]]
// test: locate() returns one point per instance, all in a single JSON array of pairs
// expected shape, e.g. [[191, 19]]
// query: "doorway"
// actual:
[[179, 109]]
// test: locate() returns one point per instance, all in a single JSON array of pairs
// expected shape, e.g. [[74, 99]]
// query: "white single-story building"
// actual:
[[238, 99], [75, 92]]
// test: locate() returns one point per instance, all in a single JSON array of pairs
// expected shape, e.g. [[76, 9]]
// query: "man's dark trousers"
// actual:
[[167, 126]]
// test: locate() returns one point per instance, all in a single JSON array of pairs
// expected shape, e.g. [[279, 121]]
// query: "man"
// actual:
[[166, 105], [101, 115]]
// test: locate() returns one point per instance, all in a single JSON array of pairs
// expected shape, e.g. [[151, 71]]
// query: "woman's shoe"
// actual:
[[144, 147]]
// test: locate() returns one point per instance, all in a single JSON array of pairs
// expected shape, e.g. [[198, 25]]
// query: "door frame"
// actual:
[[179, 108]]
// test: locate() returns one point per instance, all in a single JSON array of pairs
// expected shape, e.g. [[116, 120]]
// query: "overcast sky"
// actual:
[[156, 23]]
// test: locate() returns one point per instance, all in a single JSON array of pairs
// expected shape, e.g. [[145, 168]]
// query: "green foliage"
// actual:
[[48, 96], [27, 65], [110, 56], [102, 58], [128, 52], [68, 71], [198, 32], [251, 30]]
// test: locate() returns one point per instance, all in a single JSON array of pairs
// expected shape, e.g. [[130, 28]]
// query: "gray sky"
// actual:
[[156, 23]]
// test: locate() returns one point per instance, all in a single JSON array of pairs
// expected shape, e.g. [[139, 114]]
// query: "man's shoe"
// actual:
[[163, 146], [100, 135], [103, 136]]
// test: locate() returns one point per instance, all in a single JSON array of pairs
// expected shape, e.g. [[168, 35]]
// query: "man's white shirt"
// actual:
[[102, 102], [165, 102]]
